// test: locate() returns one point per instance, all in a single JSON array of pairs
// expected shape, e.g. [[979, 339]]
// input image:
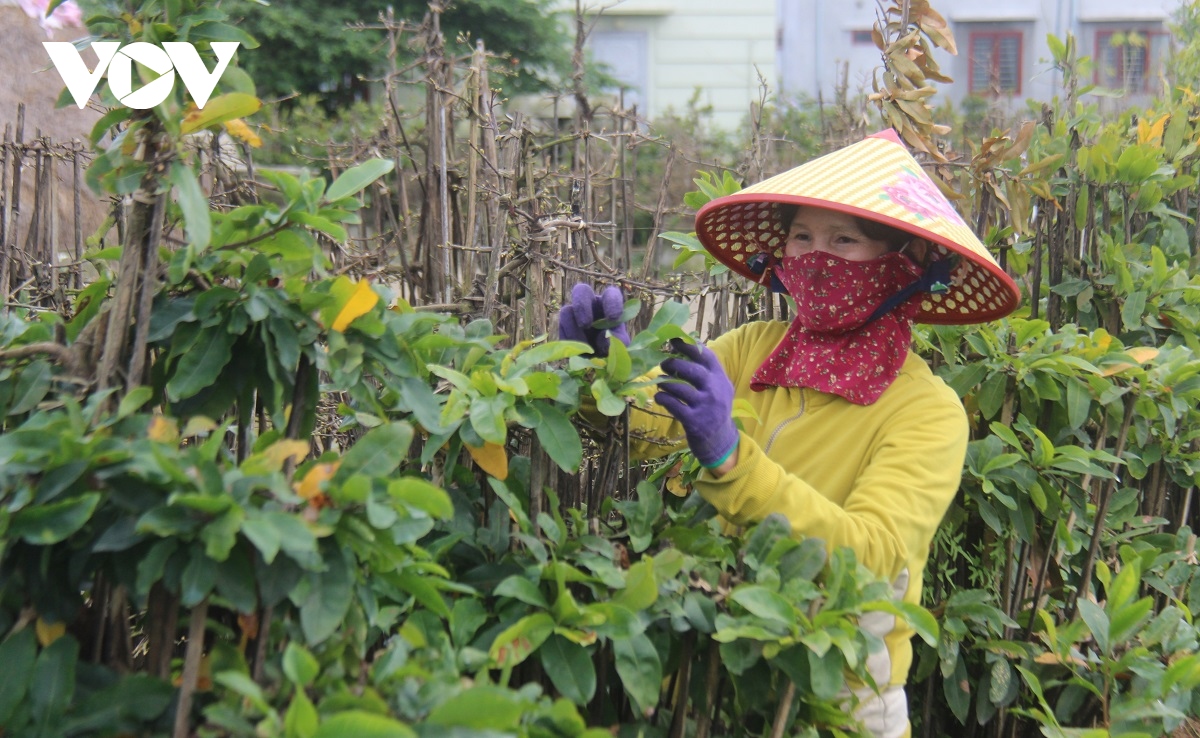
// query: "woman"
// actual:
[[857, 442]]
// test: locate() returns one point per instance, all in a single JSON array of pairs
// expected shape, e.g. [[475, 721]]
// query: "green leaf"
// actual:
[[1124, 587], [17, 653], [606, 402], [316, 222], [670, 313], [119, 114], [689, 241], [519, 588], [198, 578], [918, 617], [419, 587], [32, 386], [223, 32], [422, 495], [522, 638], [53, 684], [328, 600], [991, 394], [558, 437], [1097, 622], [570, 669], [220, 535], [355, 179], [826, 673], [376, 454], [362, 724], [45, 525], [641, 589], [481, 707], [487, 417], [299, 665], [301, 718], [1081, 207], [220, 109], [552, 351], [1133, 310], [618, 365], [194, 203], [640, 669], [1079, 402], [201, 365], [957, 691], [1128, 618], [764, 603], [133, 401]]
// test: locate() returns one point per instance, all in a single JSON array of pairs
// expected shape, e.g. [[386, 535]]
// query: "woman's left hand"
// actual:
[[702, 402]]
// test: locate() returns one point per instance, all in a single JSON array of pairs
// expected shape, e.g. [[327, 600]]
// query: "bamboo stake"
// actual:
[[7, 252], [77, 203]]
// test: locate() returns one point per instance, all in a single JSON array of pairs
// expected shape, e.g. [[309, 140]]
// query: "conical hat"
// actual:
[[877, 179]]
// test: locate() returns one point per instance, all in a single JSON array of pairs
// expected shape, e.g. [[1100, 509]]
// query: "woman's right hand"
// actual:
[[576, 319]]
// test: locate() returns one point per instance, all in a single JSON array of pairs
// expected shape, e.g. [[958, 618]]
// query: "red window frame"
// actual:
[[996, 37], [1103, 39]]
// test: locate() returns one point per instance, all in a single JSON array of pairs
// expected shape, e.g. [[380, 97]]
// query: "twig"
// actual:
[[785, 708], [61, 353], [191, 668]]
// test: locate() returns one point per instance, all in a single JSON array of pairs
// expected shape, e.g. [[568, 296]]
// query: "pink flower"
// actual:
[[67, 15], [919, 194]]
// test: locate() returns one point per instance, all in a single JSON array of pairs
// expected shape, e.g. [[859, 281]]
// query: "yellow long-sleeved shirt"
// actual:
[[877, 478]]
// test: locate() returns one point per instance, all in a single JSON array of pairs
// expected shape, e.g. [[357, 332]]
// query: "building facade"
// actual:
[[665, 52]]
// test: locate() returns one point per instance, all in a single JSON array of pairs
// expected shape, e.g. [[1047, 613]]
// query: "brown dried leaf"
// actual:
[[1024, 138], [942, 37]]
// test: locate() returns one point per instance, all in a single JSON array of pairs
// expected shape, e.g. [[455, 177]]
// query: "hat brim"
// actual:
[[860, 180]]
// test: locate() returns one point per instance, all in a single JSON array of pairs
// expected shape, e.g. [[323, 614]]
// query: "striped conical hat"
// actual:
[[879, 180]]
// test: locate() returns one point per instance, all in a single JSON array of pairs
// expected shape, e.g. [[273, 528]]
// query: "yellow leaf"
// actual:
[[163, 430], [310, 487], [198, 425], [218, 110], [491, 457], [273, 457], [204, 682], [1151, 133], [676, 487], [135, 25], [48, 633], [1140, 354], [360, 303], [239, 130], [743, 409]]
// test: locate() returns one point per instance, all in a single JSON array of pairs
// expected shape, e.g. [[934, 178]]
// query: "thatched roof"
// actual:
[[30, 78]]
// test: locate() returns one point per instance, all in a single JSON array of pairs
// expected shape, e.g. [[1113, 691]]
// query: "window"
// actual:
[[995, 62], [1130, 60], [623, 55], [862, 37]]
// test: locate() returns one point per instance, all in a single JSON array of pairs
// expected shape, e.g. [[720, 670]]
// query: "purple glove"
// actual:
[[586, 307], [702, 402]]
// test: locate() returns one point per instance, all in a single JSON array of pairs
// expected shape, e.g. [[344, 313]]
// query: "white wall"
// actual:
[[715, 46]]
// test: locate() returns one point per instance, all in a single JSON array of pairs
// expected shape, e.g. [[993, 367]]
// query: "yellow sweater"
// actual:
[[877, 478]]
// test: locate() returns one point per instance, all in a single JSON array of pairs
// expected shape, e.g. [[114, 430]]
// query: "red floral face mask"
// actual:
[[831, 346]]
